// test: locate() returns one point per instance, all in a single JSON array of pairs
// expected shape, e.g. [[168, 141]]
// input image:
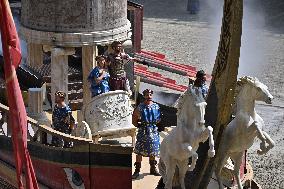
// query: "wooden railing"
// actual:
[[41, 131]]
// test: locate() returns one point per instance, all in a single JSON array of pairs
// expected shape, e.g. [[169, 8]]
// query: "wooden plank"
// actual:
[[49, 130], [67, 137]]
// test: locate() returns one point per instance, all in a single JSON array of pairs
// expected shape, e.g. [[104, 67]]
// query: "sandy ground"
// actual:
[[193, 39], [145, 180]]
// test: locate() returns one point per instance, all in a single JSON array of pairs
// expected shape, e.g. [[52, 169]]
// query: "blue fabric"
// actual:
[[148, 137], [102, 86], [61, 119], [204, 90]]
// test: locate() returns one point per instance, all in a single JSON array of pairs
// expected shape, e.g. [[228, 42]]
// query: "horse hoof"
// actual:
[[262, 152], [211, 153]]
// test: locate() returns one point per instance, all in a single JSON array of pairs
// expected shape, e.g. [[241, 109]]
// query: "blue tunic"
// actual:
[[148, 138], [102, 86], [204, 90], [61, 119]]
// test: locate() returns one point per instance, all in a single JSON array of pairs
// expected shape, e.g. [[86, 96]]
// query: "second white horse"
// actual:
[[240, 133]]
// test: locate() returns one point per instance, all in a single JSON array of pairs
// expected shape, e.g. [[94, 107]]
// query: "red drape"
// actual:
[[17, 111]]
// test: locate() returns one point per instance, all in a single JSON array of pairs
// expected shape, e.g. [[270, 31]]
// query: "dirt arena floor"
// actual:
[[193, 39]]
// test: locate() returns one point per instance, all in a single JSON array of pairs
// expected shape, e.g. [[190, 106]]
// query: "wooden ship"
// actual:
[[60, 54]]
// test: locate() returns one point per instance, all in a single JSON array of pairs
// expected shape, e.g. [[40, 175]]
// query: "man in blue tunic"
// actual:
[[99, 77], [200, 82], [62, 120], [148, 138]]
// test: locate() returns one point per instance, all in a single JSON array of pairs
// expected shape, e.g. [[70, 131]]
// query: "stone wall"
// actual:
[[74, 15]]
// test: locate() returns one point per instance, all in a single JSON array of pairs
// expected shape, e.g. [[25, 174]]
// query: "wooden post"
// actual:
[[35, 101], [59, 70], [220, 97], [89, 54], [137, 88]]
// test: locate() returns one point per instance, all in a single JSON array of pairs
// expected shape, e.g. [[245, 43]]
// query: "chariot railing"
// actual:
[[36, 132]]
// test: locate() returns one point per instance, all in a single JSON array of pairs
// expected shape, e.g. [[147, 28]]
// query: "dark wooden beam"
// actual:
[[220, 97]]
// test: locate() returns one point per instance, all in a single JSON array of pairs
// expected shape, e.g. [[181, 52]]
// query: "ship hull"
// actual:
[[87, 166]]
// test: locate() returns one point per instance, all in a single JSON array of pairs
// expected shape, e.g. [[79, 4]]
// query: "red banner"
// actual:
[[17, 111]]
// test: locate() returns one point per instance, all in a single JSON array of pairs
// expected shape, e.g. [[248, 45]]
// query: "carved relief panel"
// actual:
[[109, 111]]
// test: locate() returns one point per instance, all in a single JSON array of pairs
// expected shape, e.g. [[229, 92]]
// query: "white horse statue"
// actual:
[[240, 133], [183, 141]]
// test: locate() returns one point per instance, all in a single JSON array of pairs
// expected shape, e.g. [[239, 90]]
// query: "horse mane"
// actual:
[[180, 100], [239, 85], [245, 80], [192, 91]]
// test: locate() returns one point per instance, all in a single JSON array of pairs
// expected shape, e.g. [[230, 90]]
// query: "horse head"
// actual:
[[254, 88], [192, 105]]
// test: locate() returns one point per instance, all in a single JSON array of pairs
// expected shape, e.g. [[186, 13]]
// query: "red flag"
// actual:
[[17, 111]]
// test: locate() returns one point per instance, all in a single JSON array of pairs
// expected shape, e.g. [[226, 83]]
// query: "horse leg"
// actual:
[[194, 157], [270, 142], [237, 158], [170, 171], [208, 132], [263, 148], [211, 151], [220, 164], [255, 126], [182, 166]]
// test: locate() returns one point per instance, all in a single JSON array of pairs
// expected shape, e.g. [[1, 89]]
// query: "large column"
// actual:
[[59, 71], [88, 63], [35, 55]]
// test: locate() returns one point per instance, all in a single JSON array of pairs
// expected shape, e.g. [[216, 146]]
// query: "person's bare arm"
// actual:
[[135, 117]]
